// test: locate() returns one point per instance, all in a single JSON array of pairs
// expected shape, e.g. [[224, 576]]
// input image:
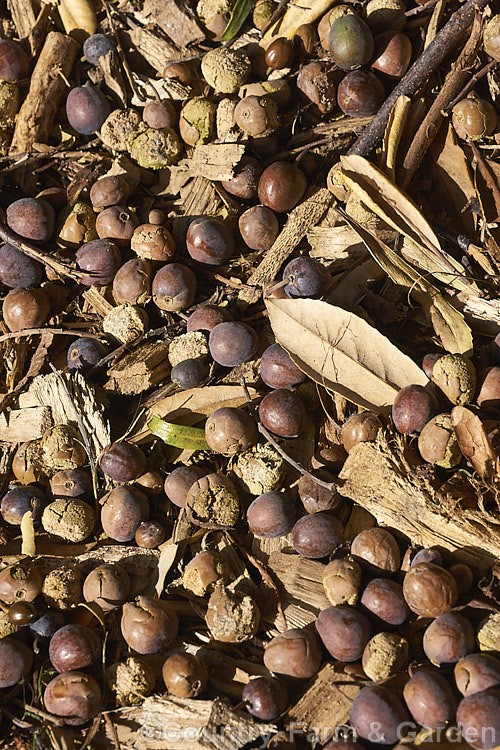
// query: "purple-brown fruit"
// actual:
[[209, 241], [231, 344], [20, 582], [174, 287], [149, 625], [160, 114], [184, 675], [283, 413], [265, 698], [315, 498], [377, 550], [383, 599], [243, 184], [430, 699], [377, 714], [107, 585], [295, 653], [116, 223], [17, 270], [344, 632], [86, 109], [478, 717], [179, 482], [477, 672], [14, 62], [123, 462], [281, 186], [448, 639], [74, 647], [100, 260], [109, 191], [132, 282], [230, 430], [360, 428], [429, 590], [74, 696], [317, 535], [278, 370], [123, 509], [149, 534], [25, 308], [360, 94], [15, 662], [71, 483], [205, 318], [413, 407], [258, 227], [271, 515], [20, 500]]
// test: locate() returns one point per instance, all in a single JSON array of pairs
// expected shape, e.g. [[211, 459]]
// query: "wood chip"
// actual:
[[175, 20], [139, 370], [21, 425]]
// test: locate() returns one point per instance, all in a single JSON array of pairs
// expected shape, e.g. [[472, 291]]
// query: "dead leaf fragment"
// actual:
[[472, 439], [28, 535], [340, 351]]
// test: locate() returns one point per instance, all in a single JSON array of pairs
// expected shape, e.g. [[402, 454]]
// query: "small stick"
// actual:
[[124, 347], [488, 177], [277, 447], [419, 72], [47, 329], [471, 83], [454, 82]]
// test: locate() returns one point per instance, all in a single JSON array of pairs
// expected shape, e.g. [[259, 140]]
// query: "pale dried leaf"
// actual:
[[168, 553], [297, 14], [192, 406], [28, 546], [472, 438], [447, 321], [175, 20], [340, 351], [393, 133], [394, 207]]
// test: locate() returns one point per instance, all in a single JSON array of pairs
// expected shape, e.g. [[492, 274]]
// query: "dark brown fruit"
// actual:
[[123, 509], [108, 585], [179, 71], [25, 308], [478, 717], [280, 53], [14, 62], [344, 632], [20, 582], [31, 218], [86, 109], [271, 515], [18, 501], [392, 54], [244, 182], [149, 625], [350, 42], [448, 639], [174, 287], [231, 344], [430, 555], [315, 498], [100, 259], [295, 653], [278, 370], [116, 223], [377, 715], [283, 413], [123, 462], [265, 698], [71, 483], [413, 407], [185, 675], [160, 114], [378, 550], [205, 318], [74, 696], [318, 82], [430, 699], [209, 241], [109, 191], [317, 535], [230, 430], [360, 93], [179, 482], [74, 647], [281, 186], [477, 672], [22, 613], [429, 590], [132, 282], [153, 242], [360, 428], [17, 270], [259, 227], [330, 459], [257, 116], [149, 534], [464, 577], [474, 119], [15, 662], [383, 599]]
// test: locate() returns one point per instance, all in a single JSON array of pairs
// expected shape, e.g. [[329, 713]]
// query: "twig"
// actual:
[[470, 84], [277, 447], [431, 123], [58, 266], [47, 329], [488, 177], [127, 347], [420, 9], [419, 72]]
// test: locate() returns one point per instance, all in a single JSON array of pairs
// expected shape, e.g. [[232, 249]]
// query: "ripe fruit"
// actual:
[[360, 93], [413, 407], [209, 241], [350, 42], [283, 413], [231, 344], [86, 109], [281, 186]]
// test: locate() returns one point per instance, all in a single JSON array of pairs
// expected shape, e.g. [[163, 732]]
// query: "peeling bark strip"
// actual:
[[47, 88], [378, 477], [422, 68]]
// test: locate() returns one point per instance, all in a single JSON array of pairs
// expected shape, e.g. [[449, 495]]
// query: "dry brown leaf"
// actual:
[[394, 207], [28, 535], [340, 351], [472, 439], [447, 321], [297, 14], [168, 553], [392, 136], [192, 406]]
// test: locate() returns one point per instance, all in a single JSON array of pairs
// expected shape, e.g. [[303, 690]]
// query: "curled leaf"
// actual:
[[342, 352], [190, 438]]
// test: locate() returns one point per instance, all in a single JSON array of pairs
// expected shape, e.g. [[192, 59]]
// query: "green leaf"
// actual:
[[190, 438], [238, 17]]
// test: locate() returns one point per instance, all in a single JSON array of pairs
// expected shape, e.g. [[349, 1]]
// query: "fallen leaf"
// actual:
[[296, 15], [472, 439], [447, 321], [168, 553], [394, 207], [340, 351], [393, 132], [178, 435], [239, 14], [28, 535]]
